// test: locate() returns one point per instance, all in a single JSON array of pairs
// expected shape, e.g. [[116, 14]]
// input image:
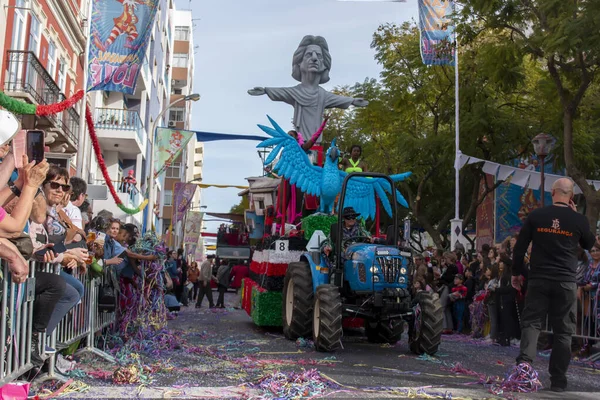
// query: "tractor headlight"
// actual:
[[375, 278], [373, 269], [403, 271], [402, 280]]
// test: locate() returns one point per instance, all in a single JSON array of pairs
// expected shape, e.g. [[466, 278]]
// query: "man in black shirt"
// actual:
[[556, 231]]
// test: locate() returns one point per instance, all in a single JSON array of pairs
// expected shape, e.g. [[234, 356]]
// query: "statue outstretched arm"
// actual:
[[360, 102], [257, 91]]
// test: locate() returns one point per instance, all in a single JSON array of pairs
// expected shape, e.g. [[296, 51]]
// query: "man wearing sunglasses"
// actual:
[[350, 229]]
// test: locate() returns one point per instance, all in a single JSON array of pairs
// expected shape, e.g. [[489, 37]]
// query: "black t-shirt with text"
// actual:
[[556, 233]]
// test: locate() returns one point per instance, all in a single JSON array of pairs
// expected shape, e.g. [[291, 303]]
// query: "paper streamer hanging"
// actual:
[[20, 107], [98, 151]]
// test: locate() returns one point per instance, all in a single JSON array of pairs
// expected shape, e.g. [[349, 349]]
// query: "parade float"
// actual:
[[303, 275]]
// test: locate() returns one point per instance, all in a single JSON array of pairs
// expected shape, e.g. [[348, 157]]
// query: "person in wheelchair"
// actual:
[[351, 229]]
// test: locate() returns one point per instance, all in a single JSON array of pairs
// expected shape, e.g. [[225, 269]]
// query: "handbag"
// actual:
[[72, 230], [107, 295], [24, 244]]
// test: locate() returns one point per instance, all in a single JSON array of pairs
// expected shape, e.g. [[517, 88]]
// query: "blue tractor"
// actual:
[[359, 279]]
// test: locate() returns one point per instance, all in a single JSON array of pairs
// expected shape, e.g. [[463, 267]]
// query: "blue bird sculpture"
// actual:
[[326, 182]]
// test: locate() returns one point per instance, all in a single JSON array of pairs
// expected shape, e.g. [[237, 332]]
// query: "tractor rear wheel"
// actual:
[[327, 318], [426, 331], [388, 331], [297, 302]]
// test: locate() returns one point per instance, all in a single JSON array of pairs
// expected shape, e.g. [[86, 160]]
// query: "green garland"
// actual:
[[318, 222], [266, 307], [16, 106]]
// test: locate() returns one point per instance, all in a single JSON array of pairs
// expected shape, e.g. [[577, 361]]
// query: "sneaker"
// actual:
[[515, 342], [49, 350]]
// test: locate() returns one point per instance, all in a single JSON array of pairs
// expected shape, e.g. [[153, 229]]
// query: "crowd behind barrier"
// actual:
[[81, 323]]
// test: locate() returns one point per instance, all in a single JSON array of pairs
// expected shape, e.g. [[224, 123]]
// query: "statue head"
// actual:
[[312, 55]]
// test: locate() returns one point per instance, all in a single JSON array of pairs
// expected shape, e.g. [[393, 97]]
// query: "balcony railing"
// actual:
[[122, 120], [26, 74]]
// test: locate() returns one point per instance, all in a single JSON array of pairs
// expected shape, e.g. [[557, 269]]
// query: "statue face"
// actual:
[[313, 60]]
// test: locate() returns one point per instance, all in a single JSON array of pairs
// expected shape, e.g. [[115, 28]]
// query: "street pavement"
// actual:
[[229, 352]]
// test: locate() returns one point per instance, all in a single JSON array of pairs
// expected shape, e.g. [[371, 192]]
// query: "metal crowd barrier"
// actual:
[[16, 325], [82, 321], [588, 323]]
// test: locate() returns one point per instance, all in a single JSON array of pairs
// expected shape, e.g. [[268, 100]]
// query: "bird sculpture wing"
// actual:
[[360, 194], [293, 163]]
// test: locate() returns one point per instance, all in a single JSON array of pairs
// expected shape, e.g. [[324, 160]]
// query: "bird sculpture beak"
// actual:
[[334, 154]]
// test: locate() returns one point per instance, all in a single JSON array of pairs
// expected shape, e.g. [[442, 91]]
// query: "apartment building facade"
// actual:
[[42, 57], [188, 166]]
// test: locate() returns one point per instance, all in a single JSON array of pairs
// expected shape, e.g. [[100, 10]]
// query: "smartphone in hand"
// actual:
[[19, 145], [36, 145]]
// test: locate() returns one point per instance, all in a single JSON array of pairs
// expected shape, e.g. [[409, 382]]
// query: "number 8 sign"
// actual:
[[282, 246]]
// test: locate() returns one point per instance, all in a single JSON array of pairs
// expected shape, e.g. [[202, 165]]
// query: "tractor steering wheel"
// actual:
[[356, 239]]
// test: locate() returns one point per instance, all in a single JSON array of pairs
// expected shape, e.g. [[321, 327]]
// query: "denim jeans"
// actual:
[[67, 301], [71, 280]]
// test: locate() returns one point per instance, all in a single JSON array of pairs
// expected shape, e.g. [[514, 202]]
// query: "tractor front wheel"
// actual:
[[426, 331], [327, 318]]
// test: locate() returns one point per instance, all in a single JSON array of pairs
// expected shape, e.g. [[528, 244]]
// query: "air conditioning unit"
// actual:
[[172, 124]]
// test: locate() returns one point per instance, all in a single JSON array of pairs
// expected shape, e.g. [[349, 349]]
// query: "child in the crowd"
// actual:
[[457, 297], [491, 300], [508, 327], [470, 284]]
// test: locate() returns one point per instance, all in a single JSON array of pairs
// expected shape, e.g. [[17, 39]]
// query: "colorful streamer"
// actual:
[[20, 107], [98, 151]]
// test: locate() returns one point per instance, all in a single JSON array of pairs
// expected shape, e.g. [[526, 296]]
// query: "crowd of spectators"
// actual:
[[478, 299]]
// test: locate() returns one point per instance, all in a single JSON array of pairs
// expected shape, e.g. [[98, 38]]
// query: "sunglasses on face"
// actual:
[[56, 186], [349, 218]]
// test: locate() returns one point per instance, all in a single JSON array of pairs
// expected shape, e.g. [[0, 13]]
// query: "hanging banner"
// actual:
[[182, 196], [514, 203], [170, 143], [193, 224], [437, 32], [485, 215], [120, 34]]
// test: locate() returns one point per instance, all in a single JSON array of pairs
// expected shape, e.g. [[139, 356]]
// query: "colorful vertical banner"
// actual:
[[514, 203], [120, 34], [437, 32], [485, 215], [193, 225], [182, 195], [170, 143]]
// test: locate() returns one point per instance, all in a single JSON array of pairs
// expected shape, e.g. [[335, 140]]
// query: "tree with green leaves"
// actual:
[[409, 124], [563, 37]]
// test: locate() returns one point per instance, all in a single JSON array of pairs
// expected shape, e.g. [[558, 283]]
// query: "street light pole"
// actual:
[[542, 145], [151, 195]]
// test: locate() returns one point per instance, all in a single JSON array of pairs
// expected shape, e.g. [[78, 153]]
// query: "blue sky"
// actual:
[[246, 43]]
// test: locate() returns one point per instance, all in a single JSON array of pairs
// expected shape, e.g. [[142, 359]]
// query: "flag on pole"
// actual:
[[183, 194], [120, 32], [169, 144], [437, 32]]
